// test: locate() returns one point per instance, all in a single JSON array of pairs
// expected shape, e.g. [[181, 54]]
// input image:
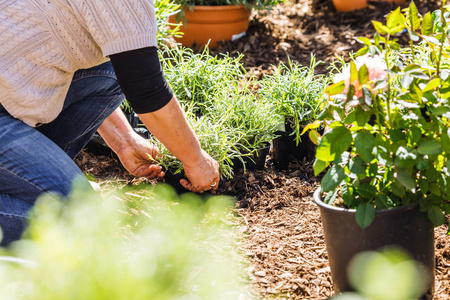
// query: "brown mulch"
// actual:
[[284, 242]]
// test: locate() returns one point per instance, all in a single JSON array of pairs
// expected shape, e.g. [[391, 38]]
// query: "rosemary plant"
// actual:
[[296, 92]]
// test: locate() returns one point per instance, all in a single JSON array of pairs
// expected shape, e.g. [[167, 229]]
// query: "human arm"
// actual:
[[132, 149], [169, 125], [142, 80]]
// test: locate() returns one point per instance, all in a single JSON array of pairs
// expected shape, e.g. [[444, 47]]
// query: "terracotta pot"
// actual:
[[349, 5], [213, 24]]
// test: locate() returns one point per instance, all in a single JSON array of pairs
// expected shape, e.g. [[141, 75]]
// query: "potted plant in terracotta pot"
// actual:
[[386, 147], [350, 5], [206, 22]]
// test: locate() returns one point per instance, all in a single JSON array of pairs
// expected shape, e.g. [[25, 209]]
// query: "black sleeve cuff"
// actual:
[[141, 79]]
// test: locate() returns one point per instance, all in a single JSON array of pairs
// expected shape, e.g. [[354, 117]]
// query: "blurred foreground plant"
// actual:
[[163, 247], [390, 274]]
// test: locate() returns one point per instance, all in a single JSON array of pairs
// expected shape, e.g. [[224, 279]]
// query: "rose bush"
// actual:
[[387, 137]]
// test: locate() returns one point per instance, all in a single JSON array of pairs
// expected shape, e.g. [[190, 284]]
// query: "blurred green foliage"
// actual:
[[390, 274], [144, 243]]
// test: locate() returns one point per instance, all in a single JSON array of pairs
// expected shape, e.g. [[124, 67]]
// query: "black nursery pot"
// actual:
[[405, 227], [174, 181], [257, 161], [285, 149]]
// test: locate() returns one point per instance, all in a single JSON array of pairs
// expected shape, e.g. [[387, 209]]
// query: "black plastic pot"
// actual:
[[257, 161], [174, 181], [406, 227], [286, 150]]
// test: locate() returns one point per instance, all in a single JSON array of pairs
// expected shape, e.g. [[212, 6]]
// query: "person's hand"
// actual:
[[202, 175], [137, 157]]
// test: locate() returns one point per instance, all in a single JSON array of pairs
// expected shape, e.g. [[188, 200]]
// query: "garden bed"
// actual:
[[283, 236]]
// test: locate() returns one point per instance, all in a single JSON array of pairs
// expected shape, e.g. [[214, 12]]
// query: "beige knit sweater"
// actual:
[[43, 43]]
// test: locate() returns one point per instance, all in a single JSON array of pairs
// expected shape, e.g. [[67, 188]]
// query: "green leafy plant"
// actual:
[[216, 139], [387, 141], [196, 77], [143, 243], [297, 94]]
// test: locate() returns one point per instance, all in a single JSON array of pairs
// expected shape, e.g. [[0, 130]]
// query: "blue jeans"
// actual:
[[39, 160]]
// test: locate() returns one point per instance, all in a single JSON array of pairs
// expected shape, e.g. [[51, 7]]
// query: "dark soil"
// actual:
[[284, 241]]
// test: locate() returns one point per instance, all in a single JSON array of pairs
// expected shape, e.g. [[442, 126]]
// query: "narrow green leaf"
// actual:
[[365, 213], [353, 71]]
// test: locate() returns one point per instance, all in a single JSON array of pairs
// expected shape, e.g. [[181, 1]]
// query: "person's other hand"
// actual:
[[137, 158], [202, 175]]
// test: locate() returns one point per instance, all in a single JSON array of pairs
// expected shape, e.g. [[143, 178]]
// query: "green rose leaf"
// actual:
[[336, 88], [380, 28], [319, 166], [382, 201], [432, 84], [347, 195], [414, 18], [364, 143], [435, 215], [429, 148], [314, 136], [432, 174], [363, 74], [404, 177], [357, 166], [367, 191], [365, 213], [364, 40], [361, 116], [427, 24], [445, 140], [333, 178], [334, 143]]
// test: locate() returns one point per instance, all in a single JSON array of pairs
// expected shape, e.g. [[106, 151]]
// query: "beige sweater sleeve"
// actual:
[[118, 25]]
